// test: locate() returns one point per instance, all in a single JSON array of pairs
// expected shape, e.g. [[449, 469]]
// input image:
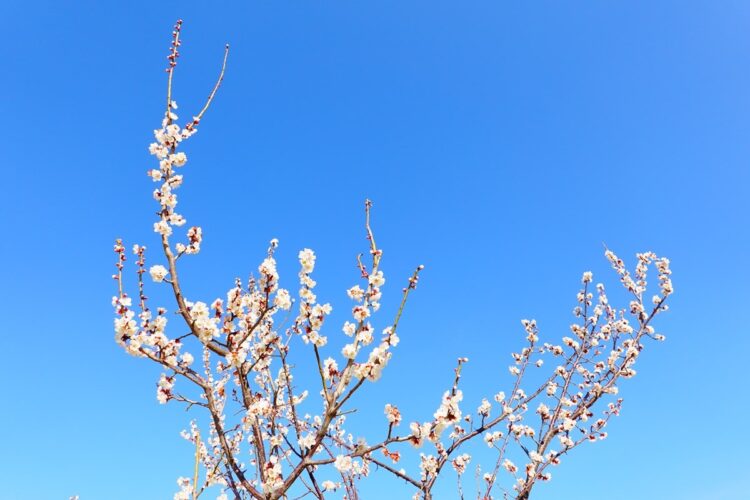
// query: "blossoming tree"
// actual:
[[259, 443]]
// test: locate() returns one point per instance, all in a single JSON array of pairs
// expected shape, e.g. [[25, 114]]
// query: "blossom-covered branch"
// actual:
[[265, 437]]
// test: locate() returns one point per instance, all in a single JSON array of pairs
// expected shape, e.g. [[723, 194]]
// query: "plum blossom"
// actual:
[[329, 486], [158, 273], [484, 408], [392, 414], [343, 463], [282, 300], [307, 260], [275, 419], [460, 462]]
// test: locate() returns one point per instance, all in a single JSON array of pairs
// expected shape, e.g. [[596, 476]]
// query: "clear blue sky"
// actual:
[[502, 145]]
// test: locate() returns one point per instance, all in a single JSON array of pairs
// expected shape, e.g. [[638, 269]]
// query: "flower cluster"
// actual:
[[267, 438]]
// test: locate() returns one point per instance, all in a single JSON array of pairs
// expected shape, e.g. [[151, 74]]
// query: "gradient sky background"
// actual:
[[501, 143]]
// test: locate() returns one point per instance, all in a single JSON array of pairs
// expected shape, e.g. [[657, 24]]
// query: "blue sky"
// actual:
[[502, 144]]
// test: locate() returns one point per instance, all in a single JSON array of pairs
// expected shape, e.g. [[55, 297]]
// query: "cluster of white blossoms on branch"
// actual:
[[272, 433]]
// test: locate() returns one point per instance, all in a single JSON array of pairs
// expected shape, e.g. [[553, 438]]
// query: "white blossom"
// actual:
[[158, 273]]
